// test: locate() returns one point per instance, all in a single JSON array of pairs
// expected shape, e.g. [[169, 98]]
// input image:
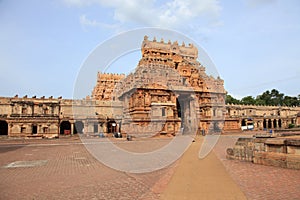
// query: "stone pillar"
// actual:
[[85, 127], [72, 128], [187, 112], [105, 127], [192, 114]]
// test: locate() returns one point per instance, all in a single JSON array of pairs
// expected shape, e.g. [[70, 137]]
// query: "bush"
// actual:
[[291, 125]]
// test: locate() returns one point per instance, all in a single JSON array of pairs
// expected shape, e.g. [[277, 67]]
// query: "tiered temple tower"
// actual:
[[168, 90]]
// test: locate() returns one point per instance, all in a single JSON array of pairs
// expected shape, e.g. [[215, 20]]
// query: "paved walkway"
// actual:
[[196, 178], [68, 171], [259, 181]]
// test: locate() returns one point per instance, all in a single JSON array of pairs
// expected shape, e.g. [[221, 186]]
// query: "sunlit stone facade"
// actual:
[[168, 93]]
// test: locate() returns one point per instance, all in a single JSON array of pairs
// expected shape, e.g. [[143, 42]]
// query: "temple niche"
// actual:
[[169, 92]]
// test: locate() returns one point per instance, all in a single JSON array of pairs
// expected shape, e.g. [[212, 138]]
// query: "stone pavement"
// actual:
[[259, 181], [68, 171], [205, 178]]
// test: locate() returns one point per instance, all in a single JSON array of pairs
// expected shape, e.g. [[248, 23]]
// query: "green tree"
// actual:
[[248, 100], [264, 98], [276, 97], [290, 101], [270, 98], [231, 100]]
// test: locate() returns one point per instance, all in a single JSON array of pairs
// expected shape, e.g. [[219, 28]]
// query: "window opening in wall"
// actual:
[[176, 65], [269, 123], [184, 81], [45, 129], [265, 123], [45, 111], [23, 129], [95, 128], [275, 123], [279, 123], [163, 111], [24, 110]]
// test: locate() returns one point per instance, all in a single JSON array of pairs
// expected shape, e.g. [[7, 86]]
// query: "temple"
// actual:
[[168, 93]]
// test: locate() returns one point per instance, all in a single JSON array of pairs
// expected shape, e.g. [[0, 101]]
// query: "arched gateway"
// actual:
[[65, 128]]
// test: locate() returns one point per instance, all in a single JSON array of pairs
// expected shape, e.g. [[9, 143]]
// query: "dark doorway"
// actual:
[[188, 122], [78, 127], [244, 122], [3, 128], [65, 127], [34, 129], [111, 127]]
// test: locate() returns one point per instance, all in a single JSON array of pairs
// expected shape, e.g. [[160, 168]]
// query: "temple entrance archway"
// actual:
[[3, 127], [79, 127], [111, 126], [65, 128], [185, 110]]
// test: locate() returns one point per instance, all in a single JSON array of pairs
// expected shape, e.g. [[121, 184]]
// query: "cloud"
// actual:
[[85, 22], [169, 14]]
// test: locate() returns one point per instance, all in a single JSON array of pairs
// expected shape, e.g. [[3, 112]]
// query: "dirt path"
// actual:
[[201, 179]]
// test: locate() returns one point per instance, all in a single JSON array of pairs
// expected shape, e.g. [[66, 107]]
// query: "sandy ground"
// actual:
[[201, 179]]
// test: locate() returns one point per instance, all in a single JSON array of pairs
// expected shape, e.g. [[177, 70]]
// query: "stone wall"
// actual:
[[262, 117], [274, 151]]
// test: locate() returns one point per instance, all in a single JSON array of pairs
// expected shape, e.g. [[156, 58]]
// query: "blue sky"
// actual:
[[255, 44]]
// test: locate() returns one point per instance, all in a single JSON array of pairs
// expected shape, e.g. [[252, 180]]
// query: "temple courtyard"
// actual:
[[64, 169]]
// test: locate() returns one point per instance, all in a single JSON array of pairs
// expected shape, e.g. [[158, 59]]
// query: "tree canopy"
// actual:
[[268, 98]]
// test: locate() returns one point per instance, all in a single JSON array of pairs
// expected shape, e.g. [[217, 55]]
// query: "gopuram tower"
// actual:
[[168, 93]]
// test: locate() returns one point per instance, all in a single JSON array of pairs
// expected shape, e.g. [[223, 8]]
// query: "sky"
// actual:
[[254, 44]]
